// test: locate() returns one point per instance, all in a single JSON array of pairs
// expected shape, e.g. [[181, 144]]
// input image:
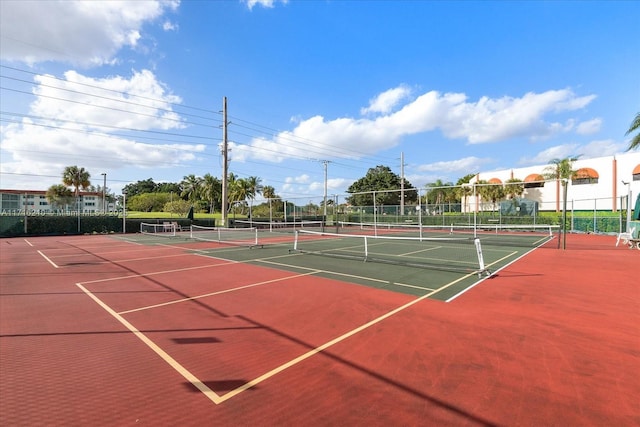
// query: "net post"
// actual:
[[366, 247], [295, 240], [481, 265]]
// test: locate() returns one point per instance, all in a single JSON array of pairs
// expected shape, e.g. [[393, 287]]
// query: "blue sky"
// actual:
[[135, 89]]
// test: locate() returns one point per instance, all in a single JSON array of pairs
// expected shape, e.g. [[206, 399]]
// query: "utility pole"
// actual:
[[325, 163], [402, 184], [224, 162]]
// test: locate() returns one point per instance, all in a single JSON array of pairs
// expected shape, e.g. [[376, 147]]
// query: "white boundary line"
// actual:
[[210, 394], [251, 285], [492, 273], [214, 397], [47, 258]]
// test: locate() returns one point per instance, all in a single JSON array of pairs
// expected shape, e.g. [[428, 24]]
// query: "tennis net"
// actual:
[[231, 236], [457, 254], [281, 226], [166, 229], [517, 235]]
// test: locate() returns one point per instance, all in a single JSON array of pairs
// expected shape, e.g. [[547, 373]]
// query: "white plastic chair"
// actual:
[[625, 237]]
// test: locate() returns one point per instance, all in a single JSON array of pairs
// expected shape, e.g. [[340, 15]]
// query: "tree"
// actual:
[[167, 187], [211, 191], [190, 186], [140, 187], [270, 193], [179, 207], [492, 192], [635, 126], [513, 188], [381, 180], [439, 192], [148, 202], [254, 188], [238, 191], [562, 171], [464, 190], [59, 195], [79, 179], [76, 177]]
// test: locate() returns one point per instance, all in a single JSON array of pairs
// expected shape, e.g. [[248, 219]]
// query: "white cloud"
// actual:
[[484, 121], [91, 130], [264, 3], [589, 127], [387, 101], [138, 102], [586, 151], [79, 32], [464, 165], [556, 152], [600, 148], [301, 179], [169, 26]]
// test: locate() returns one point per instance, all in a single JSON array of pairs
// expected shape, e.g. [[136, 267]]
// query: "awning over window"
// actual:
[[586, 173], [495, 181], [534, 177]]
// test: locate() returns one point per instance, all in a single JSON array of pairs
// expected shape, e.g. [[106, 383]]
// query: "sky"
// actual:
[[317, 92]]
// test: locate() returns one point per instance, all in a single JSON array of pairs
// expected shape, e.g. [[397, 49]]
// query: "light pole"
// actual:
[[124, 211], [628, 184], [475, 208], [104, 189]]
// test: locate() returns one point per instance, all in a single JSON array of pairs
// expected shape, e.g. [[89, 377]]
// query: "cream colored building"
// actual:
[[601, 184], [14, 202]]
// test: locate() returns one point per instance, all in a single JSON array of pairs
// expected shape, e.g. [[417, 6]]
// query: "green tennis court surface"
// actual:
[[441, 264]]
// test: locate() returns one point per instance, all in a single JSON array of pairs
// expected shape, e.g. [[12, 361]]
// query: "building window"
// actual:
[[585, 176], [10, 201], [534, 181]]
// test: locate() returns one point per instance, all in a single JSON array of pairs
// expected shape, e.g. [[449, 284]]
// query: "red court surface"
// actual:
[[101, 332]]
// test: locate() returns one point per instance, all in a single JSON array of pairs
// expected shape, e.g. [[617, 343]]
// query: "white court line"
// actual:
[[335, 273], [47, 258], [266, 282], [328, 344], [159, 272], [215, 398], [28, 242], [485, 278], [210, 394]]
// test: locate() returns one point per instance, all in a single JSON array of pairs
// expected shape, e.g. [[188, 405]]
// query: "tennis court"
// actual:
[[169, 329]]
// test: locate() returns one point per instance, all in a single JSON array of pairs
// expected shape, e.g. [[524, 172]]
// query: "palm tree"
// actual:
[[269, 192], [254, 188], [190, 186], [635, 125], [78, 178], [490, 191], [211, 190], [464, 190], [436, 193], [59, 195], [513, 188], [238, 190], [562, 171]]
